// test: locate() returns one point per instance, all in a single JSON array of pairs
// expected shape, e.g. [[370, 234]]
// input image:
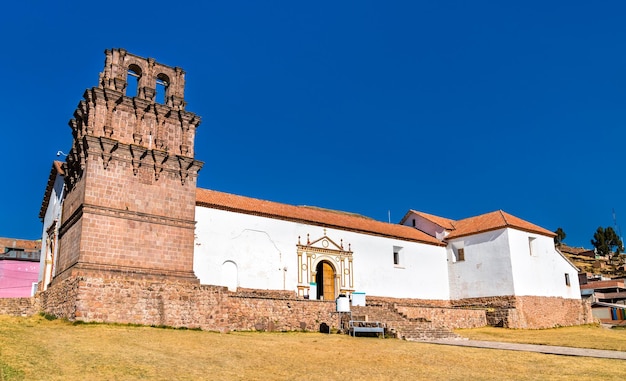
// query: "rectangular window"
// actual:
[[531, 241], [396, 255], [414, 222], [460, 254], [567, 279]]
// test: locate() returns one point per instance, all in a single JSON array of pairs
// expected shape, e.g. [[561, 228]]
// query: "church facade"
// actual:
[[129, 237], [319, 254]]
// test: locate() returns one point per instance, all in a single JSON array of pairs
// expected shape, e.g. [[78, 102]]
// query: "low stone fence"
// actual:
[[19, 306], [447, 317]]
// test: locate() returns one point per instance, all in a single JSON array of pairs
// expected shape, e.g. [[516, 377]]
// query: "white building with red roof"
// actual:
[[243, 242], [497, 254]]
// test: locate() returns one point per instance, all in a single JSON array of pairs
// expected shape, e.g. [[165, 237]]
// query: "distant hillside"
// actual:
[[591, 264]]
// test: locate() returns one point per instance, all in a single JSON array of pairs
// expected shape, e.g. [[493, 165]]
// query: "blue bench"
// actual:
[[358, 326]]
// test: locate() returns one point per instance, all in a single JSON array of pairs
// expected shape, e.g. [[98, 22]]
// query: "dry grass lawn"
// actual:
[[586, 336], [37, 349]]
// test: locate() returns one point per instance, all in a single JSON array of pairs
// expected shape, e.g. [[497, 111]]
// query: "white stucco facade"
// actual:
[[243, 250], [510, 262], [486, 269], [539, 269], [51, 215]]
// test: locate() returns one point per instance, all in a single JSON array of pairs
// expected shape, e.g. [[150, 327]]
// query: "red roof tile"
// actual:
[[445, 223], [305, 214], [493, 221]]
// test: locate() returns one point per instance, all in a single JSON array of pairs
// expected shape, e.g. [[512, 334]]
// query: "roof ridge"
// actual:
[[325, 217], [502, 214]]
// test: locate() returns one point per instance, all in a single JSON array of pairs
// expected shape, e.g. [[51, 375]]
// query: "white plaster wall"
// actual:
[[262, 248], [424, 225], [53, 213], [486, 270], [543, 272]]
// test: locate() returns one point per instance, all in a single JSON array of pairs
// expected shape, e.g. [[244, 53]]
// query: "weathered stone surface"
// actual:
[[19, 306]]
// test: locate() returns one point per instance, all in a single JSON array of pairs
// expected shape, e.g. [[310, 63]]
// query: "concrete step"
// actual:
[[400, 325]]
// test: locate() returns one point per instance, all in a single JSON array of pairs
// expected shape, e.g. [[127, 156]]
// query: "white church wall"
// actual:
[[53, 213], [538, 269], [421, 272], [424, 225], [264, 252], [260, 249], [486, 269]]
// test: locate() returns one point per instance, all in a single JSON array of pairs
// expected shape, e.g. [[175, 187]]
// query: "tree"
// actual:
[[560, 236], [607, 241]]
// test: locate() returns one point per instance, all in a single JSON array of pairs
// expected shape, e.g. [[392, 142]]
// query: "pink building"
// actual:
[[19, 267]]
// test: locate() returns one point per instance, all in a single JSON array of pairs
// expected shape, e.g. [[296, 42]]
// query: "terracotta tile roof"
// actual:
[[312, 215], [57, 168], [445, 223], [600, 284], [493, 221]]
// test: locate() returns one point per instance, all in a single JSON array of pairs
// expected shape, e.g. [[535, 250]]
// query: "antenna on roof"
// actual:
[[389, 215], [616, 227]]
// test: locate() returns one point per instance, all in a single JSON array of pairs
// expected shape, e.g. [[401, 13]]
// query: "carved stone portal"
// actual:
[[331, 259]]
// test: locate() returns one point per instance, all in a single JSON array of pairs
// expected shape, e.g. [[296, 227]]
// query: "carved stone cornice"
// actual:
[[108, 146], [160, 157], [138, 216], [138, 153]]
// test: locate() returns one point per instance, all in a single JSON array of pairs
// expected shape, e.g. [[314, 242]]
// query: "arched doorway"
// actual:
[[325, 279]]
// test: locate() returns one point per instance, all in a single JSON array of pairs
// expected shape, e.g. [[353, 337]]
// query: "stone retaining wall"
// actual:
[[19, 306], [183, 304], [531, 312], [188, 304], [447, 317], [118, 300], [547, 312]]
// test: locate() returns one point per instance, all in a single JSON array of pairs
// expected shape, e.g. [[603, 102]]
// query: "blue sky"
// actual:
[[453, 108]]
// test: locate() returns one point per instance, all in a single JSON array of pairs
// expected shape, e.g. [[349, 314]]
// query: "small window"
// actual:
[[414, 222], [531, 248], [396, 255], [567, 283], [460, 254]]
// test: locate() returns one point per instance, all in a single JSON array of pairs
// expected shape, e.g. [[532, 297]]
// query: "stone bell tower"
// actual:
[[131, 176]]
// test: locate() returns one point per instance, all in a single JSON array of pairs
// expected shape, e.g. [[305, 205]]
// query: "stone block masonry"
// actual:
[[130, 176], [183, 304], [531, 312], [19, 306]]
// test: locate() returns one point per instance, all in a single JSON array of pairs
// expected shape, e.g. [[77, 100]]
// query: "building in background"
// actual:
[[19, 267]]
